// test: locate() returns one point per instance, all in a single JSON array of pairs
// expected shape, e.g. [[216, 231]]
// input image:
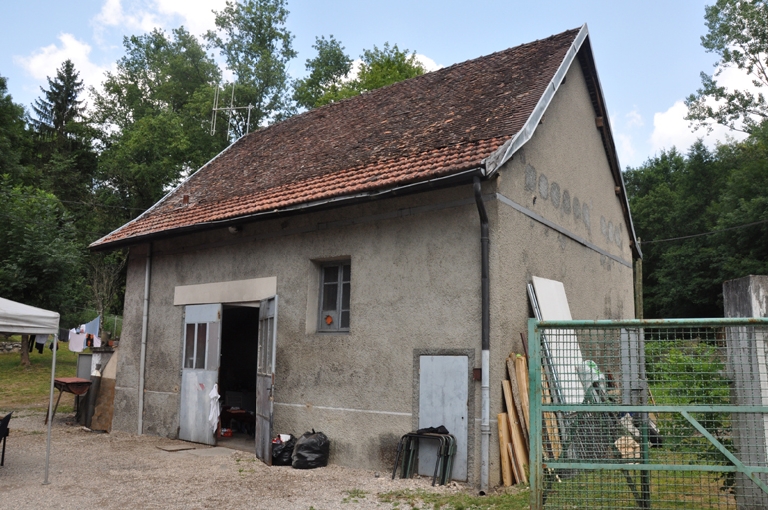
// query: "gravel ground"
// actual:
[[120, 471]]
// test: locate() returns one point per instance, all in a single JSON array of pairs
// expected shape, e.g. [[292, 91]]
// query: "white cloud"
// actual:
[[671, 129], [429, 64], [137, 16], [634, 119], [196, 15], [144, 15], [353, 71], [625, 148], [626, 129], [45, 61]]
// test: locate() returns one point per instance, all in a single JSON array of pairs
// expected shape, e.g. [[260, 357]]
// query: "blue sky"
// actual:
[[648, 53]]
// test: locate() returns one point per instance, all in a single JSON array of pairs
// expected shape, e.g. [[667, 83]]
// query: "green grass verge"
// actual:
[[407, 499], [23, 387]]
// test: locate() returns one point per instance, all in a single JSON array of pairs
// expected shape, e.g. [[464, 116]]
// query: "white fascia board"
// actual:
[[505, 152]]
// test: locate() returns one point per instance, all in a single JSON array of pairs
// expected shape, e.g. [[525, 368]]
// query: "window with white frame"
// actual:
[[335, 282], [201, 346]]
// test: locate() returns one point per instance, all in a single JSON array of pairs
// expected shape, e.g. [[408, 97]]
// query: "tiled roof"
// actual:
[[434, 125]]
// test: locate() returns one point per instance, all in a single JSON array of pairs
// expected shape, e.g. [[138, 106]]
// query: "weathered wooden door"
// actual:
[[200, 371], [443, 400], [265, 378]]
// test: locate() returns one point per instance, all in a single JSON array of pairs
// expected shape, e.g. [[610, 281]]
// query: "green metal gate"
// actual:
[[649, 414]]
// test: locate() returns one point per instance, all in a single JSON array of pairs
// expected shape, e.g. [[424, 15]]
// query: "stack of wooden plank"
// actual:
[[514, 425]]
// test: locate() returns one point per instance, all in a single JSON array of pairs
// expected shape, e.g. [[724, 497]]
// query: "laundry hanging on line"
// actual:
[[40, 342], [92, 328]]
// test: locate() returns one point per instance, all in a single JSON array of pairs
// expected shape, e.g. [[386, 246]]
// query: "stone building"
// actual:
[[327, 271]]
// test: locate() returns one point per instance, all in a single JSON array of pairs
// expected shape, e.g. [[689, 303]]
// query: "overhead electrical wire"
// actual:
[[711, 232]]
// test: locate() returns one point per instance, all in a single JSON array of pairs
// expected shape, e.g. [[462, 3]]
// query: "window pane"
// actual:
[[189, 347], [212, 362], [260, 355], [345, 296], [331, 274], [202, 330], [344, 319], [347, 272], [330, 292], [270, 323]]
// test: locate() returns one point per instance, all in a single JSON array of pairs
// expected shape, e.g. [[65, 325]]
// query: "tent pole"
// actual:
[[50, 409]]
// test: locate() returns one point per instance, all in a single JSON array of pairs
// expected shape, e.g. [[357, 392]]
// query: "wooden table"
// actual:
[[74, 385]]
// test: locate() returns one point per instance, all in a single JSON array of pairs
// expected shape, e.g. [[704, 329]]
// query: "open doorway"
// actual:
[[237, 375]]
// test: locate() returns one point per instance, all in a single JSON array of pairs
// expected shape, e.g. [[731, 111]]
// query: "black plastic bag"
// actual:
[[311, 451], [433, 430], [282, 452]]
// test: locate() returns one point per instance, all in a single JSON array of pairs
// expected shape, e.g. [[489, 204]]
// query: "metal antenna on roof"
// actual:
[[230, 110]]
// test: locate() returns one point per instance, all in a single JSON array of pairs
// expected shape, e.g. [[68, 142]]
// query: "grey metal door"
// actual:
[[265, 378], [443, 400], [200, 371]]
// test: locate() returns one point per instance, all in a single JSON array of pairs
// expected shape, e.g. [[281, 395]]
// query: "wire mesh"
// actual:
[[650, 414]]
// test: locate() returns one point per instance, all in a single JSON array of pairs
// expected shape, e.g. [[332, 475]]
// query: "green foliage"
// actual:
[[689, 371], [672, 195], [14, 137], [39, 256], [253, 39], [154, 117], [326, 72], [738, 33], [60, 104], [744, 201], [675, 198], [379, 68], [64, 160], [382, 67]]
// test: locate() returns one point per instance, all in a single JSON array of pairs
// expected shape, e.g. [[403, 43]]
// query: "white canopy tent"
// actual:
[[18, 318], [23, 319]]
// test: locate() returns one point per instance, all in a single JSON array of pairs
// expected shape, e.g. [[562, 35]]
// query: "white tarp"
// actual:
[[26, 320], [564, 349]]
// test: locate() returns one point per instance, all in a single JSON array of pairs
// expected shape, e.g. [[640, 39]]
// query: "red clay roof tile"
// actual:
[[434, 125]]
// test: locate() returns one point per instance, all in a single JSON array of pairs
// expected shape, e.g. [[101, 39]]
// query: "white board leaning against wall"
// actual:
[[564, 351]]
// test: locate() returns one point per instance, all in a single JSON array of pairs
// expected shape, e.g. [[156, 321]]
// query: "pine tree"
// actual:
[[59, 106]]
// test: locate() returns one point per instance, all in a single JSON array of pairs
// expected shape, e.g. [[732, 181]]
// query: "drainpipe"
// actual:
[[143, 355], [485, 422]]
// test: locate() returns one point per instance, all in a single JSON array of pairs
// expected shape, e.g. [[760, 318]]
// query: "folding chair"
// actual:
[[4, 430]]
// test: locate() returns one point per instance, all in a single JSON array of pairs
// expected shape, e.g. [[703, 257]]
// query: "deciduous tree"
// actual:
[[256, 45], [738, 34], [326, 73], [154, 117], [378, 68], [40, 258], [13, 135]]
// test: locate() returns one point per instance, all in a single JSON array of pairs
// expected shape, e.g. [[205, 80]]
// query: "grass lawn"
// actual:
[[28, 387], [408, 499]]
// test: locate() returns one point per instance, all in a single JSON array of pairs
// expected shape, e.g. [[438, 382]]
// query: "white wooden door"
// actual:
[[265, 378], [200, 371], [443, 400]]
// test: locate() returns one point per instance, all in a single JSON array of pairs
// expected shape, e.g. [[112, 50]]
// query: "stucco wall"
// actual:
[[415, 287], [567, 151]]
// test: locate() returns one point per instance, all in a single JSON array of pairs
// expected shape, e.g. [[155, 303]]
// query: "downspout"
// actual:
[[143, 355], [485, 422]]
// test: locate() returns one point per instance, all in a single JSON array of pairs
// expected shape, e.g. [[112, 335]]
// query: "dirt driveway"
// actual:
[[123, 471]]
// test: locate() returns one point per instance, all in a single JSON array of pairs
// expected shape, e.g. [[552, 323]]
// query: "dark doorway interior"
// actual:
[[237, 375]]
